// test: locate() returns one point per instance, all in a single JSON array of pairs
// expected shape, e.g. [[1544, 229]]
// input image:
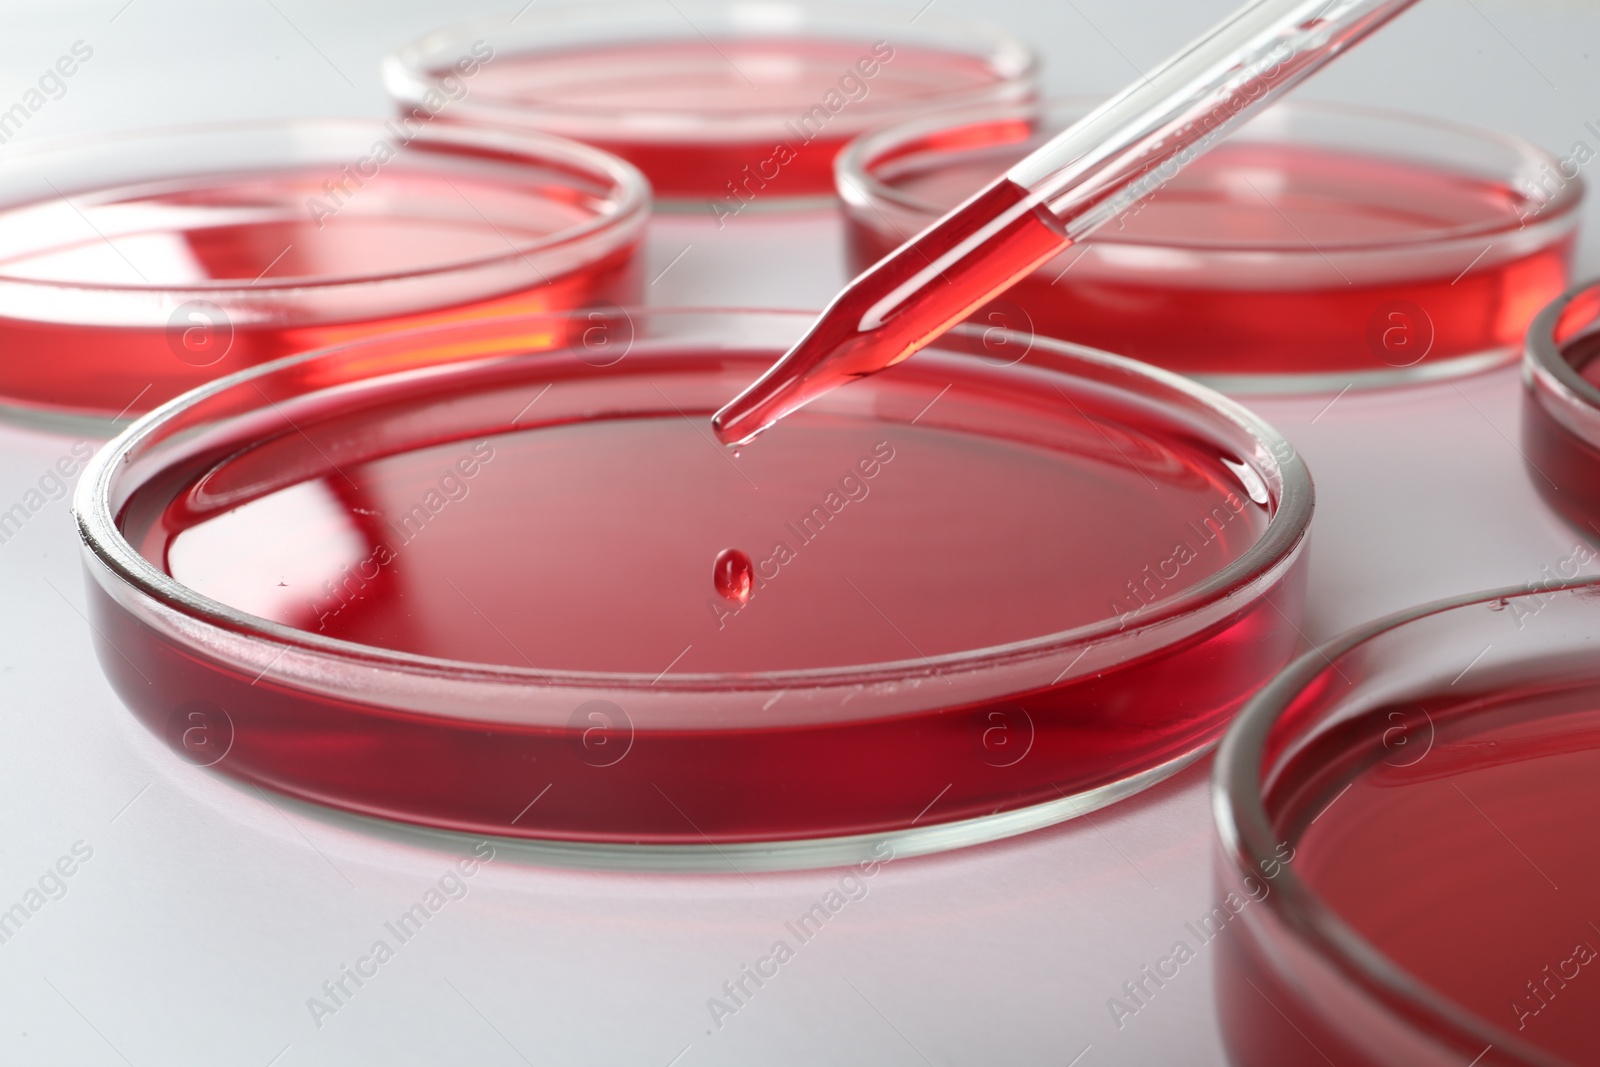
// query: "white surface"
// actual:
[[208, 914]]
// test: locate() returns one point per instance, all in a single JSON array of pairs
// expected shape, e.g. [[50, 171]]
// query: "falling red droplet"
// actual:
[[733, 575]]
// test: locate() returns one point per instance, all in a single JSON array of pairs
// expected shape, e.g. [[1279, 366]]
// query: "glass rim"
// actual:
[[1245, 831], [1543, 361], [408, 76], [1273, 551], [628, 198], [749, 857], [858, 187]]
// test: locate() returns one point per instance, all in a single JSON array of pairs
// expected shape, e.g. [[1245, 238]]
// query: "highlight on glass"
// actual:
[[423, 576], [727, 107], [134, 266]]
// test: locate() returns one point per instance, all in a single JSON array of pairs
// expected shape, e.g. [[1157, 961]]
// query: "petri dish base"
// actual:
[[463, 578]]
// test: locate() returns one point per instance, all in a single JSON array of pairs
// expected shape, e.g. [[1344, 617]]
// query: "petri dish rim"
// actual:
[[1546, 369], [859, 188], [1247, 838], [628, 196], [407, 77], [1257, 567]]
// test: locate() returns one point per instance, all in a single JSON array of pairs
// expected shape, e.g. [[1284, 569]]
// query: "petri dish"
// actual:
[[1405, 823], [1318, 246], [1561, 407], [726, 107], [467, 578], [135, 266]]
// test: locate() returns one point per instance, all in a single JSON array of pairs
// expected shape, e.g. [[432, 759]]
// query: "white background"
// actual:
[[208, 915]]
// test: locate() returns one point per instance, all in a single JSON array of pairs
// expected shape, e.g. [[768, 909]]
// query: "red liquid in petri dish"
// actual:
[[851, 340], [580, 544], [728, 118], [1257, 258], [1462, 850], [255, 273]]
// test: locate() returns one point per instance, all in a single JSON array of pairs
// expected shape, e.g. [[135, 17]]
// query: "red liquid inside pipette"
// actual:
[[904, 302], [1005, 231], [1318, 315]]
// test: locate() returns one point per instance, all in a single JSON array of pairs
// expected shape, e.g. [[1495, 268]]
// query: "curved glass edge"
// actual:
[[781, 205], [1256, 571], [63, 422], [628, 199], [859, 188], [866, 199], [741, 858], [406, 75], [1292, 384], [1546, 372], [1246, 839]]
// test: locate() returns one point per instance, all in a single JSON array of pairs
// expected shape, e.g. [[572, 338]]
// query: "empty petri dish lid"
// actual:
[[1406, 853], [724, 106], [1317, 246], [1561, 407], [134, 266], [442, 576]]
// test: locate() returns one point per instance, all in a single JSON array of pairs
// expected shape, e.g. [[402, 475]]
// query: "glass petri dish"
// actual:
[[726, 106], [1405, 820], [135, 266], [1561, 407], [1318, 246], [442, 576]]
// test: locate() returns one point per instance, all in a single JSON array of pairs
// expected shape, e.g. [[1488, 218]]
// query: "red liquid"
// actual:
[[1464, 852], [581, 545], [900, 305], [1565, 466], [1318, 315], [797, 82], [734, 576], [256, 230]]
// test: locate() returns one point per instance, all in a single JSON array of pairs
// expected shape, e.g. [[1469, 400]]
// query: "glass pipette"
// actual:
[[1123, 151]]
